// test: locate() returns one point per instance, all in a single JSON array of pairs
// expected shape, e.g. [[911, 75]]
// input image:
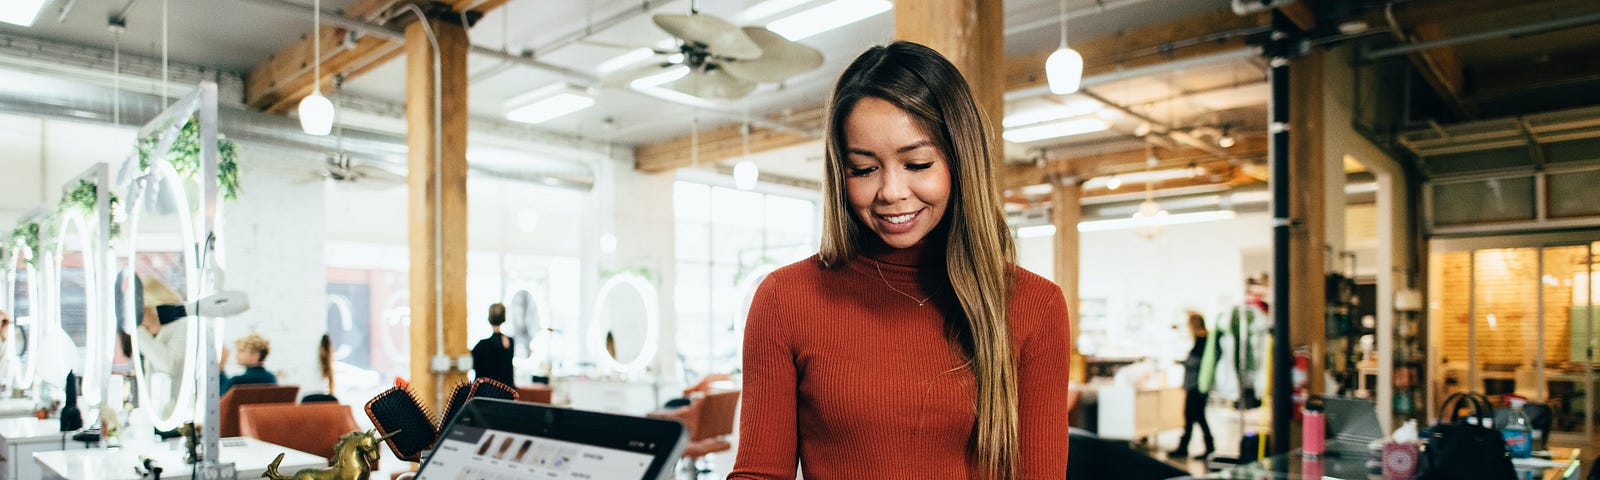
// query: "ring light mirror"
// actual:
[[79, 307], [627, 323], [24, 308], [161, 247]]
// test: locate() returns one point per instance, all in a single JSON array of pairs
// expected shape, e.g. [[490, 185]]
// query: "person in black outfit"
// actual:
[[491, 358], [1195, 391]]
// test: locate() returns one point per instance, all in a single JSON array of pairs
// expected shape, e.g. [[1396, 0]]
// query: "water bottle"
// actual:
[[1518, 431]]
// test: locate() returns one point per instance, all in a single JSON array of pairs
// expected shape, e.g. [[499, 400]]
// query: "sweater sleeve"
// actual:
[[767, 421], [1043, 359]]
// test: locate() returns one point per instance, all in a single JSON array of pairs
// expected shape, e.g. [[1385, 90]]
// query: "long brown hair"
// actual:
[[978, 246], [325, 360]]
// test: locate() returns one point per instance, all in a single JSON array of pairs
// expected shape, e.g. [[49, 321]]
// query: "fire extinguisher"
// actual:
[[1298, 375]]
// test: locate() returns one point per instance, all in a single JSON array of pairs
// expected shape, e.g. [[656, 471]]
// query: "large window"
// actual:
[[727, 241]]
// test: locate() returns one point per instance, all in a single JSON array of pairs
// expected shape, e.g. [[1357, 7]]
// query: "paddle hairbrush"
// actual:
[[398, 415]]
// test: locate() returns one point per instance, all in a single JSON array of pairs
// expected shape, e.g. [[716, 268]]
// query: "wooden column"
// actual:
[[971, 33], [1065, 213], [1308, 187], [450, 202]]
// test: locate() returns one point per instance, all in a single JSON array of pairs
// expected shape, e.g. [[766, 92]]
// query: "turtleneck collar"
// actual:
[[922, 264]]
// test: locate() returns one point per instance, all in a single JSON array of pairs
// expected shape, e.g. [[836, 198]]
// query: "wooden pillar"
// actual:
[[1308, 187], [1065, 213], [450, 202], [971, 33]]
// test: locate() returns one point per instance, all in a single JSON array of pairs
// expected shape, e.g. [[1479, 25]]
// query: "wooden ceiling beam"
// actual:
[[1018, 175], [277, 84], [715, 145]]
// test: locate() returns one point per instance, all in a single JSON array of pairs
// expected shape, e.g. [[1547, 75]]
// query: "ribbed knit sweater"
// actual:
[[855, 380]]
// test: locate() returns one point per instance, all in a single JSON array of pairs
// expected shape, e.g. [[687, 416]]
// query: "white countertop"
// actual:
[[18, 430], [249, 456], [16, 407]]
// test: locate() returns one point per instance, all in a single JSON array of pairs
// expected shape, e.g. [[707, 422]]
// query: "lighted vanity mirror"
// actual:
[[627, 322], [82, 330], [160, 274], [16, 372]]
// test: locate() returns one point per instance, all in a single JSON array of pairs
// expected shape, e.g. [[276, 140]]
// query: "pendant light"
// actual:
[[745, 173], [1064, 68], [316, 112]]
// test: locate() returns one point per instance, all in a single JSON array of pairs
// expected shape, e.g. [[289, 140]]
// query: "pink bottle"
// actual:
[[1314, 434]]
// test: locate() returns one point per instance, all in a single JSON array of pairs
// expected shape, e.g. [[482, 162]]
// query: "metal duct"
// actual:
[[86, 103]]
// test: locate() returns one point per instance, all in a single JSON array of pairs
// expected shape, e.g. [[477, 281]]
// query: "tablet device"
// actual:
[[501, 439]]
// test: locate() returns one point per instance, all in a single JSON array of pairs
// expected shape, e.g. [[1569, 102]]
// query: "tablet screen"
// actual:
[[507, 440]]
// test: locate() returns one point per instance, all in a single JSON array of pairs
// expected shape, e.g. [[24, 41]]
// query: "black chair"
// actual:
[[319, 397], [1096, 458]]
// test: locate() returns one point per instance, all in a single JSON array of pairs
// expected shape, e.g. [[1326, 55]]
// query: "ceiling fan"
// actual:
[[340, 168], [724, 60]]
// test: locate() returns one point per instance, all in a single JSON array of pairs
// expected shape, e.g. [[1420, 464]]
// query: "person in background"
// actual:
[[1196, 384], [161, 342], [911, 346], [491, 357], [325, 368], [7, 349], [253, 349]]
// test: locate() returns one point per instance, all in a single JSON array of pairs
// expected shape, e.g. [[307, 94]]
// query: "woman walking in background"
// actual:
[[1197, 375]]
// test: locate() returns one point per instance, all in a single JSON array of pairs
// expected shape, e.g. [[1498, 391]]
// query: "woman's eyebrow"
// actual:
[[915, 145]]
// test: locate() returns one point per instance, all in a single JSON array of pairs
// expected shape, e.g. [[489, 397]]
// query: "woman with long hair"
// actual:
[[911, 346]]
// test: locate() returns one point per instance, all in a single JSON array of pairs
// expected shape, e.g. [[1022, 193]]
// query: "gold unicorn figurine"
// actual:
[[353, 457]]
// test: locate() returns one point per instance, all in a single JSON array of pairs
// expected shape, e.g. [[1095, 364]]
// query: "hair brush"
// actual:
[[397, 414], [458, 399], [487, 388]]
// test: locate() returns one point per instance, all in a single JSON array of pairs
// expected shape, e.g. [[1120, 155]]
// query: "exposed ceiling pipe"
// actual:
[[1054, 20], [1509, 32], [1159, 128], [334, 17]]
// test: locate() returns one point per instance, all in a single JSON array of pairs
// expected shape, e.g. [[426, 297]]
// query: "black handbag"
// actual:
[[1458, 450]]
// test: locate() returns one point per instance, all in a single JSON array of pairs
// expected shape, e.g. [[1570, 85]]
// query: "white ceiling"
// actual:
[[235, 35]]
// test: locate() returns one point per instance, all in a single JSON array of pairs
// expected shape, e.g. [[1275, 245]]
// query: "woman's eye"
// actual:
[[862, 171], [917, 167]]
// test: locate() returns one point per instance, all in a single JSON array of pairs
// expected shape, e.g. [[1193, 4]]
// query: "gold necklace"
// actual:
[[886, 283]]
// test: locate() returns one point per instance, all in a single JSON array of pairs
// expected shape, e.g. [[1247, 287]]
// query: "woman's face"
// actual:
[[896, 177]]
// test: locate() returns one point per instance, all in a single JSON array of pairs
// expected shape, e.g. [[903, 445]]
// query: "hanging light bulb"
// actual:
[[1226, 140], [1114, 183], [316, 112], [745, 172], [1064, 68], [745, 175]]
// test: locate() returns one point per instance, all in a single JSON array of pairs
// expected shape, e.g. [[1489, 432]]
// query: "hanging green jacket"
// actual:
[[1236, 326]]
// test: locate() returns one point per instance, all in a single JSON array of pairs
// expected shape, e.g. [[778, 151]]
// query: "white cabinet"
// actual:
[[21, 437], [1128, 413], [627, 398]]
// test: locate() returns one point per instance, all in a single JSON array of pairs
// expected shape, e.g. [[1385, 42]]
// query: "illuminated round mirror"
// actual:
[[17, 369], [160, 274], [627, 322], [79, 307]]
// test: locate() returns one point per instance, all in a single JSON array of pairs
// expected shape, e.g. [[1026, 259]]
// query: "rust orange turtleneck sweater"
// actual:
[[855, 380]]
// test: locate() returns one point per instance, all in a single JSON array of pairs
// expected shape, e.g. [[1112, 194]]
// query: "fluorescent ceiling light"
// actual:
[[764, 10], [1173, 219], [662, 78], [547, 103], [638, 55], [22, 12], [1049, 111], [1036, 231], [826, 17], [1140, 177], [1063, 128], [616, 63]]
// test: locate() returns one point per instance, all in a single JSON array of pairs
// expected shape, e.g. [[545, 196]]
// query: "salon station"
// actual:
[[226, 226]]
